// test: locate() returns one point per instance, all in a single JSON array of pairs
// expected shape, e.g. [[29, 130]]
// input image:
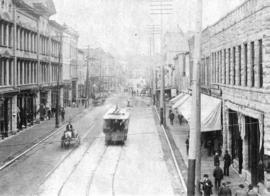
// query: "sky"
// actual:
[[122, 27]]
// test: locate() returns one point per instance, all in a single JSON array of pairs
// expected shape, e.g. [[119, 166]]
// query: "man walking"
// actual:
[[187, 144], [227, 163], [171, 116], [218, 175], [216, 160], [207, 185]]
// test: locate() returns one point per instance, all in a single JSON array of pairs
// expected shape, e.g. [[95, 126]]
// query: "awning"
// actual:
[[210, 112], [180, 100]]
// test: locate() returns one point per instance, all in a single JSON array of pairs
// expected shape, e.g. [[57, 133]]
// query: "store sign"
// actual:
[[173, 92]]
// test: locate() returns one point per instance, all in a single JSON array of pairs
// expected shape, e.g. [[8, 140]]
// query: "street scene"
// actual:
[[135, 97]]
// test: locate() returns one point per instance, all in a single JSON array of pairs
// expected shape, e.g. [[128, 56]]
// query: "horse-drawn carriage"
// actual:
[[115, 126], [70, 137]]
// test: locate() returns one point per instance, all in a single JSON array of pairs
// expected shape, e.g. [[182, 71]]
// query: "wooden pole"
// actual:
[[194, 159]]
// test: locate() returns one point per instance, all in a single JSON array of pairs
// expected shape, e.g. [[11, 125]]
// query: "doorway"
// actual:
[[254, 152]]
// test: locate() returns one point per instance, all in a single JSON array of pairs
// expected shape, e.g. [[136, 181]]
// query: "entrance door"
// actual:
[[254, 153], [237, 142]]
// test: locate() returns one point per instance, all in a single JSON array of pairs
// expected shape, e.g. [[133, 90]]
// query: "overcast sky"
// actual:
[[121, 26]]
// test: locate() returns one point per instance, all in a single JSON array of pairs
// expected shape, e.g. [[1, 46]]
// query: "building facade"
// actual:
[[70, 65], [26, 63], [82, 74], [235, 68]]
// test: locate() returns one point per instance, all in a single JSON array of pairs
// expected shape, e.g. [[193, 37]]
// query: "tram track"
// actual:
[[101, 158]]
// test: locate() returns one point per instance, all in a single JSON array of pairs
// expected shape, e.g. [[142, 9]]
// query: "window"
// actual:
[[9, 7], [260, 64], [224, 71], [239, 65], [229, 66], [2, 3], [234, 68], [245, 64], [252, 56]]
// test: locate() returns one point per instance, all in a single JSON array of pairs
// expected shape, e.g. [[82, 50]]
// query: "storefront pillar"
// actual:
[[15, 115], [38, 107], [49, 99], [69, 97], [225, 130]]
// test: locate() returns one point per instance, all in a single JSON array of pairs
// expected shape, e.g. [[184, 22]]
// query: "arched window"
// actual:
[[2, 3]]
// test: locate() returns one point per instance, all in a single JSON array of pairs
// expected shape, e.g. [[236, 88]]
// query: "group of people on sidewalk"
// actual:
[[213, 146], [223, 189]]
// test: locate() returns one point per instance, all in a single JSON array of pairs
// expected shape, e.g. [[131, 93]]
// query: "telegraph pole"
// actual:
[[194, 159], [161, 7], [87, 79], [58, 83]]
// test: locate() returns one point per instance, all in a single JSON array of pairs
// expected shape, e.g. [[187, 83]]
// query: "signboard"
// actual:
[[173, 92]]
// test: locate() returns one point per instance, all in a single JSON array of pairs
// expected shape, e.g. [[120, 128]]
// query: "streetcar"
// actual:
[[115, 126]]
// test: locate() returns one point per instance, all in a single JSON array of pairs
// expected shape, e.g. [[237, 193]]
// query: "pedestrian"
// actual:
[[180, 117], [187, 144], [216, 159], [49, 113], [218, 175], [171, 116], [227, 162], [63, 114], [206, 186], [224, 190], [252, 191], [260, 171], [209, 145], [241, 191]]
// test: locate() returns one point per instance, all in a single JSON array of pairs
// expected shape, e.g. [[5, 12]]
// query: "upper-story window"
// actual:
[[2, 3], [9, 7]]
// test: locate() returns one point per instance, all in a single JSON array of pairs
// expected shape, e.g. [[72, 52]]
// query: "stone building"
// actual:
[[70, 62], [235, 69], [26, 62]]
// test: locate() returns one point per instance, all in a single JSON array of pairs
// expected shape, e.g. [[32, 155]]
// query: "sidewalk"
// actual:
[[16, 144], [178, 134]]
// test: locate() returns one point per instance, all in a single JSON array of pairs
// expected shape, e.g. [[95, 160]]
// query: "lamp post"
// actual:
[[58, 84]]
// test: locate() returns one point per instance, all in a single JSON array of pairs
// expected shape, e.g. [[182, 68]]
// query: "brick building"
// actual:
[[29, 56], [235, 69]]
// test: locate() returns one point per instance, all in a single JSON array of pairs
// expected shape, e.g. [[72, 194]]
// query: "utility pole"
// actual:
[[58, 83], [194, 159], [162, 7], [87, 79]]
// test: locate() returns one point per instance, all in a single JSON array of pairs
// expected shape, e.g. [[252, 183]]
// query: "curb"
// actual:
[[174, 159]]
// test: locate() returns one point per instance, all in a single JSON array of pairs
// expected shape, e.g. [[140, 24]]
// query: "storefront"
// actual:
[[5, 116], [245, 140]]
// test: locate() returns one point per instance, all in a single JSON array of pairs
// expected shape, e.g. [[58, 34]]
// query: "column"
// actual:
[[228, 66], [18, 72], [257, 67], [225, 128], [18, 38], [38, 107], [7, 35], [70, 96], [249, 64], [2, 33], [14, 114], [22, 40]]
